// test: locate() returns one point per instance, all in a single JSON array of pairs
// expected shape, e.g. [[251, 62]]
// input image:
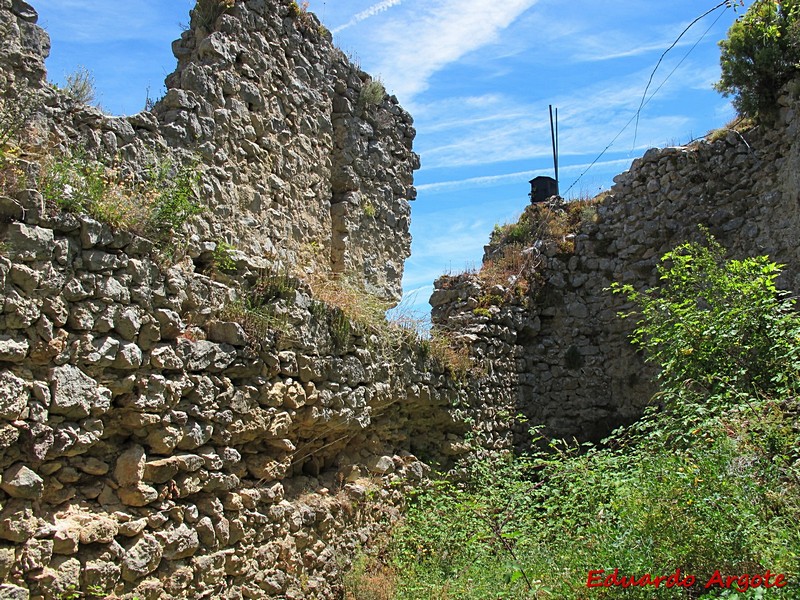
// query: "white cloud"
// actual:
[[495, 128], [436, 34], [516, 177], [373, 10], [620, 45]]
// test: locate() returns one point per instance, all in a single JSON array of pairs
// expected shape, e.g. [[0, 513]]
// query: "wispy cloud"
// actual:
[[436, 34], [516, 177], [373, 10], [621, 45], [503, 129]]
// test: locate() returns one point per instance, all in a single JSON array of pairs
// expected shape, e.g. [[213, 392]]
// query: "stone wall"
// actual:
[[575, 371], [159, 438], [153, 446], [295, 161]]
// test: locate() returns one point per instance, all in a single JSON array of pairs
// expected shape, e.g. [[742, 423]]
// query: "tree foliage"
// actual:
[[707, 487], [715, 324], [761, 55]]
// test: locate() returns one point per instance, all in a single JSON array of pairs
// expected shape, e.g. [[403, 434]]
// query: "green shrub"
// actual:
[[222, 256], [206, 12], [707, 484], [79, 85], [372, 93], [717, 325], [760, 55], [172, 190], [76, 184], [156, 207]]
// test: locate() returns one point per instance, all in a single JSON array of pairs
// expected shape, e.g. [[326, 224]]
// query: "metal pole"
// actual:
[[558, 181], [554, 138]]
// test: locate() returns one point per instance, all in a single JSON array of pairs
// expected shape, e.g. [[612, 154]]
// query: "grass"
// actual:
[[156, 206], [737, 125], [15, 113], [372, 93], [546, 222], [512, 265], [344, 312], [370, 578], [259, 308], [705, 487], [534, 527], [206, 12], [302, 16], [79, 85]]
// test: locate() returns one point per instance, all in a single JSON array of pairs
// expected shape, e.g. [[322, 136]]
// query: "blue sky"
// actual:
[[478, 76]]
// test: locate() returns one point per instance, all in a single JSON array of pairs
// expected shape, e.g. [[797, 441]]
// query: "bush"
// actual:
[[206, 12], [155, 207], [760, 55], [720, 326], [372, 93], [708, 484], [79, 85], [15, 113]]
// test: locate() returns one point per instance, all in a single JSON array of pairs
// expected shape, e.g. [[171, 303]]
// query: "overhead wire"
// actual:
[[645, 99]]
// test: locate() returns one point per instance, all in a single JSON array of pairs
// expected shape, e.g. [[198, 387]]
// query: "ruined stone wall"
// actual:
[[153, 446], [157, 438], [295, 161], [575, 371]]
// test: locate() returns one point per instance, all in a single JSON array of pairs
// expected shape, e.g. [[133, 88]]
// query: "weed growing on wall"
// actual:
[[545, 221], [372, 93], [206, 12], [301, 14], [171, 190], [260, 309], [15, 113], [155, 207], [512, 263], [222, 257], [79, 85], [704, 488]]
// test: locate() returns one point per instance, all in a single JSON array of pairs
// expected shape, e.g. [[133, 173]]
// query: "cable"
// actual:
[[658, 64], [646, 101]]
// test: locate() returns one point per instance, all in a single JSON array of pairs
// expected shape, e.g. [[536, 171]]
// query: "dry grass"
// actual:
[[508, 270], [356, 304], [737, 125], [450, 352], [370, 578]]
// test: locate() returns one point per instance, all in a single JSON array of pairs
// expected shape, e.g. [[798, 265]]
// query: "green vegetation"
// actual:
[[546, 222], [707, 484], [79, 85], [369, 580], [258, 309], [302, 16], [372, 93], [511, 265], [155, 207], [14, 116], [222, 257], [716, 326], [206, 12], [761, 55]]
